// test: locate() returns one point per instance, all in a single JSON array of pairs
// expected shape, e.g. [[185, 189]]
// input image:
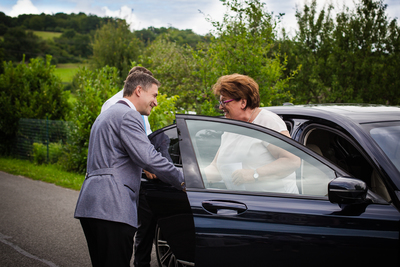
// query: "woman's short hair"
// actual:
[[238, 86], [137, 78]]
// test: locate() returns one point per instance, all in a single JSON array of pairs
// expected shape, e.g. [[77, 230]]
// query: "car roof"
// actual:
[[359, 113]]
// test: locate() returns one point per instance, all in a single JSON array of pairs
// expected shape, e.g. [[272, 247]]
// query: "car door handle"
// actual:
[[223, 207]]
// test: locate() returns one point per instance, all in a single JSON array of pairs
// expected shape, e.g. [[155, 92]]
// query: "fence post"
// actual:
[[47, 137]]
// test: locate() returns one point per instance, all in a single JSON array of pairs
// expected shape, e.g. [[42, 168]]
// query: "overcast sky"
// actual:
[[181, 14]]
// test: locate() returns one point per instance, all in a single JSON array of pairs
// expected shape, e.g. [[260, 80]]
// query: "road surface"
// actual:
[[37, 227]]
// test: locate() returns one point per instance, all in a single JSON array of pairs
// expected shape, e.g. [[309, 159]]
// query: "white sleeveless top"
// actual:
[[243, 152]]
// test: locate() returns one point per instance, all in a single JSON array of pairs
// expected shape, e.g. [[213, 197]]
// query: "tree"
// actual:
[[29, 91], [180, 37], [243, 45], [3, 29], [352, 58], [164, 113], [173, 65], [76, 47], [116, 46], [93, 89], [6, 20], [17, 42], [362, 62], [313, 48]]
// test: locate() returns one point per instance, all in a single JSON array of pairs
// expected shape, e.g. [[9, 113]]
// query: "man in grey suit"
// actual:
[[118, 151]]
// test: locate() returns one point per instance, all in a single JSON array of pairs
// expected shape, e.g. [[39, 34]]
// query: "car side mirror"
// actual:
[[345, 190]]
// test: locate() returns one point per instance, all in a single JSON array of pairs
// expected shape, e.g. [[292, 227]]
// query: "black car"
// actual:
[[346, 211]]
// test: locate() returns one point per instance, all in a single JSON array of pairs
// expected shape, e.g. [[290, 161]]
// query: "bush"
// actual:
[[92, 89], [39, 153], [29, 91], [164, 113]]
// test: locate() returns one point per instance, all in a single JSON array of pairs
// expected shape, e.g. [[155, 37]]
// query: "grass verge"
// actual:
[[47, 173]]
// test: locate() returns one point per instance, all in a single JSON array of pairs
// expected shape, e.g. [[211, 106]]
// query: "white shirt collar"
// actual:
[[129, 103]]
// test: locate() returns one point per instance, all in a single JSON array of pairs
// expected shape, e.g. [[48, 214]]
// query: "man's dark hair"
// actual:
[[137, 78], [140, 69]]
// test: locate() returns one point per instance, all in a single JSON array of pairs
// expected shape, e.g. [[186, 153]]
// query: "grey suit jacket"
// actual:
[[118, 150]]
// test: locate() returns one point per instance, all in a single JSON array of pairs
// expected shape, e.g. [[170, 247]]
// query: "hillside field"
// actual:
[[47, 35], [67, 71]]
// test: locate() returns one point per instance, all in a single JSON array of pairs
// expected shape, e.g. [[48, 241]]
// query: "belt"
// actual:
[[104, 171]]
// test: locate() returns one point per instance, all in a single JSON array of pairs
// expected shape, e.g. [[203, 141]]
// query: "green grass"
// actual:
[[67, 71], [47, 173], [47, 35], [66, 75], [72, 99]]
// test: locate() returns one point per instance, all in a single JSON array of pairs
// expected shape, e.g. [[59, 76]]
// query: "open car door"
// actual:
[[267, 221], [218, 223]]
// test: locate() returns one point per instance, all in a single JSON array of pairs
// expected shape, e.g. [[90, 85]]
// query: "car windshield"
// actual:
[[387, 136]]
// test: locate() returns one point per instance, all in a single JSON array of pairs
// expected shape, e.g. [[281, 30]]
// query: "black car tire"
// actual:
[[165, 256]]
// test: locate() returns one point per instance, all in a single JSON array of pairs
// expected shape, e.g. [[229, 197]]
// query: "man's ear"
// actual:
[[138, 90]]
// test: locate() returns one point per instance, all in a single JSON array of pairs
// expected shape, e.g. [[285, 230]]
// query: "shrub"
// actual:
[[29, 91], [40, 155], [93, 88]]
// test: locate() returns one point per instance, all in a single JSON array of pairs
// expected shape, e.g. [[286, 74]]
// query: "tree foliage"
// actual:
[[353, 57], [116, 46], [29, 91], [17, 43], [77, 30], [243, 45], [164, 113], [173, 65], [19, 39], [58, 22], [337, 55], [93, 89], [180, 37]]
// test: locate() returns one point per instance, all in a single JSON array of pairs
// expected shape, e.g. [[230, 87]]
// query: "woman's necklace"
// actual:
[[252, 114]]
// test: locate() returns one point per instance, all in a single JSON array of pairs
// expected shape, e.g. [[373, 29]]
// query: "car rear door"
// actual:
[[260, 226]]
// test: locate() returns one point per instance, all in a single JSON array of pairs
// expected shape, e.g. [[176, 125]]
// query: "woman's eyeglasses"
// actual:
[[223, 103]]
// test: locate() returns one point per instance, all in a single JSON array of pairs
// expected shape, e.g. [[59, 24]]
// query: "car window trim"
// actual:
[[183, 129], [306, 132]]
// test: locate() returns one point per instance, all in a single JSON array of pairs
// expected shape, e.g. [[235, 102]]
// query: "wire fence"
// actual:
[[44, 135]]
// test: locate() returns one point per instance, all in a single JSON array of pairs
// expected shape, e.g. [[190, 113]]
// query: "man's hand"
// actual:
[[149, 175]]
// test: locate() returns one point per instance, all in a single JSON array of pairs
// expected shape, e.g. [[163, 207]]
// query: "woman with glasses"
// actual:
[[246, 163]]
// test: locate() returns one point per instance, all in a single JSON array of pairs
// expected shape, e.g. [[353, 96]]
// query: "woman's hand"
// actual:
[[243, 176], [212, 173]]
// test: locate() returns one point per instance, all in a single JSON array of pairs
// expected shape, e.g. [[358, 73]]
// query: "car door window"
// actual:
[[229, 157]]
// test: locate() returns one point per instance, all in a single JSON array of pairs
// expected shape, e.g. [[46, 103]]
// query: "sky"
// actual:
[[181, 14]]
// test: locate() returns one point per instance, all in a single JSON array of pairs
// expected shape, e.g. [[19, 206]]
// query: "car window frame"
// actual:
[[192, 171], [305, 132]]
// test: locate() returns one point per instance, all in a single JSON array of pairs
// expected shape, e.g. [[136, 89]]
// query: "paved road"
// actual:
[[37, 227]]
